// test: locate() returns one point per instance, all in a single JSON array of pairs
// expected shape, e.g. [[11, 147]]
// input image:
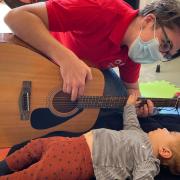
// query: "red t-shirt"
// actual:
[[93, 30]]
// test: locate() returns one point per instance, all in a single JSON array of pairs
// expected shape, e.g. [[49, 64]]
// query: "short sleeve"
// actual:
[[68, 15], [146, 170]]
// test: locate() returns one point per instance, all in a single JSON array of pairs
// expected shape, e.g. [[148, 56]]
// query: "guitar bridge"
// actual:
[[24, 100]]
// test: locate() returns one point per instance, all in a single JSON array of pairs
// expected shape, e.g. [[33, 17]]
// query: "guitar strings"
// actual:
[[115, 101]]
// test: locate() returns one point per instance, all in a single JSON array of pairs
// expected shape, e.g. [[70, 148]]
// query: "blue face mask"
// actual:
[[145, 52]]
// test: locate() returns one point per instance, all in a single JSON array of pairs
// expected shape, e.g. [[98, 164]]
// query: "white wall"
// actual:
[[3, 11]]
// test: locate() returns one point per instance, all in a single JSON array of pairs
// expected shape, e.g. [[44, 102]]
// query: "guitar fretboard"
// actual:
[[116, 102]]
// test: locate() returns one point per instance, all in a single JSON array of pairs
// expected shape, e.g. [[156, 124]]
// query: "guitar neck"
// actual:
[[116, 102]]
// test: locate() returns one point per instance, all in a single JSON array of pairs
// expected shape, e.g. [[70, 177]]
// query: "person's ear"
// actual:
[[165, 152], [149, 19]]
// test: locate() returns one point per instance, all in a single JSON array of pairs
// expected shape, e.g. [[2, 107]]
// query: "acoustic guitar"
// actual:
[[32, 103]]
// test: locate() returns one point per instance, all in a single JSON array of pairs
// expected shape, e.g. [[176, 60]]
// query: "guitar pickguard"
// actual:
[[43, 118]]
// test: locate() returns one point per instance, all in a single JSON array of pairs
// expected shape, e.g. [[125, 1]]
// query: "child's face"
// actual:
[[164, 135]]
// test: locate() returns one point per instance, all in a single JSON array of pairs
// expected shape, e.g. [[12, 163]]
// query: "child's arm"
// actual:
[[130, 120], [147, 170]]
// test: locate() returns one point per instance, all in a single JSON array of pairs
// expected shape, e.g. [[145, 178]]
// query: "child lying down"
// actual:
[[106, 154]]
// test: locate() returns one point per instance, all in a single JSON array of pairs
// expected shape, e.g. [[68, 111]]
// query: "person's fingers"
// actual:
[[145, 111], [150, 107], [64, 87], [81, 91], [130, 99], [81, 87], [140, 111], [68, 89], [134, 98], [130, 96], [138, 103], [89, 75], [74, 93], [135, 94]]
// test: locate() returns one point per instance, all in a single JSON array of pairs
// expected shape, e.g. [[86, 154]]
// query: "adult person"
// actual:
[[102, 34], [102, 39], [135, 4]]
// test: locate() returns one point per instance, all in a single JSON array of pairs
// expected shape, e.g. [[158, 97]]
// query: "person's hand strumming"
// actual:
[[74, 73]]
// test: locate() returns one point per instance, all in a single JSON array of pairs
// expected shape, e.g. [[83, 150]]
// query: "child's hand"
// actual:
[[132, 99]]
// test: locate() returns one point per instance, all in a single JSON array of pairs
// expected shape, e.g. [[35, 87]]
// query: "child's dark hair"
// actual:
[[167, 12]]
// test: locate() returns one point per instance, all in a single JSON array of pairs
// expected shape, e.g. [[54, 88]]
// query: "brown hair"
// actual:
[[167, 12]]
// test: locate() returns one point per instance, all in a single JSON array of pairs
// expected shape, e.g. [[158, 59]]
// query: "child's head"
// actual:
[[174, 161], [168, 147]]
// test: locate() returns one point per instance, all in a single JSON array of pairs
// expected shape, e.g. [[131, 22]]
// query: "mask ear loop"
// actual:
[[155, 37], [154, 29], [139, 35], [140, 30]]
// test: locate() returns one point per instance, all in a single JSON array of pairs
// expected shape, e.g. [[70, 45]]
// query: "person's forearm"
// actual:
[[130, 120], [131, 87], [32, 30]]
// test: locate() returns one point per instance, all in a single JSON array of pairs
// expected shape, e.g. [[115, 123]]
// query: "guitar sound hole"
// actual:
[[62, 102]]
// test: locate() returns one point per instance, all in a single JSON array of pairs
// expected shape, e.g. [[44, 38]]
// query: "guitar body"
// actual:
[[29, 87], [33, 104]]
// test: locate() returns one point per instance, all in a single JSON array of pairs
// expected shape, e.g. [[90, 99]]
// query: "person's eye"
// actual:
[[164, 46]]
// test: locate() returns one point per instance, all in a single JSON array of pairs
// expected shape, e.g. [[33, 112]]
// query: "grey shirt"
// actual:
[[125, 154]]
